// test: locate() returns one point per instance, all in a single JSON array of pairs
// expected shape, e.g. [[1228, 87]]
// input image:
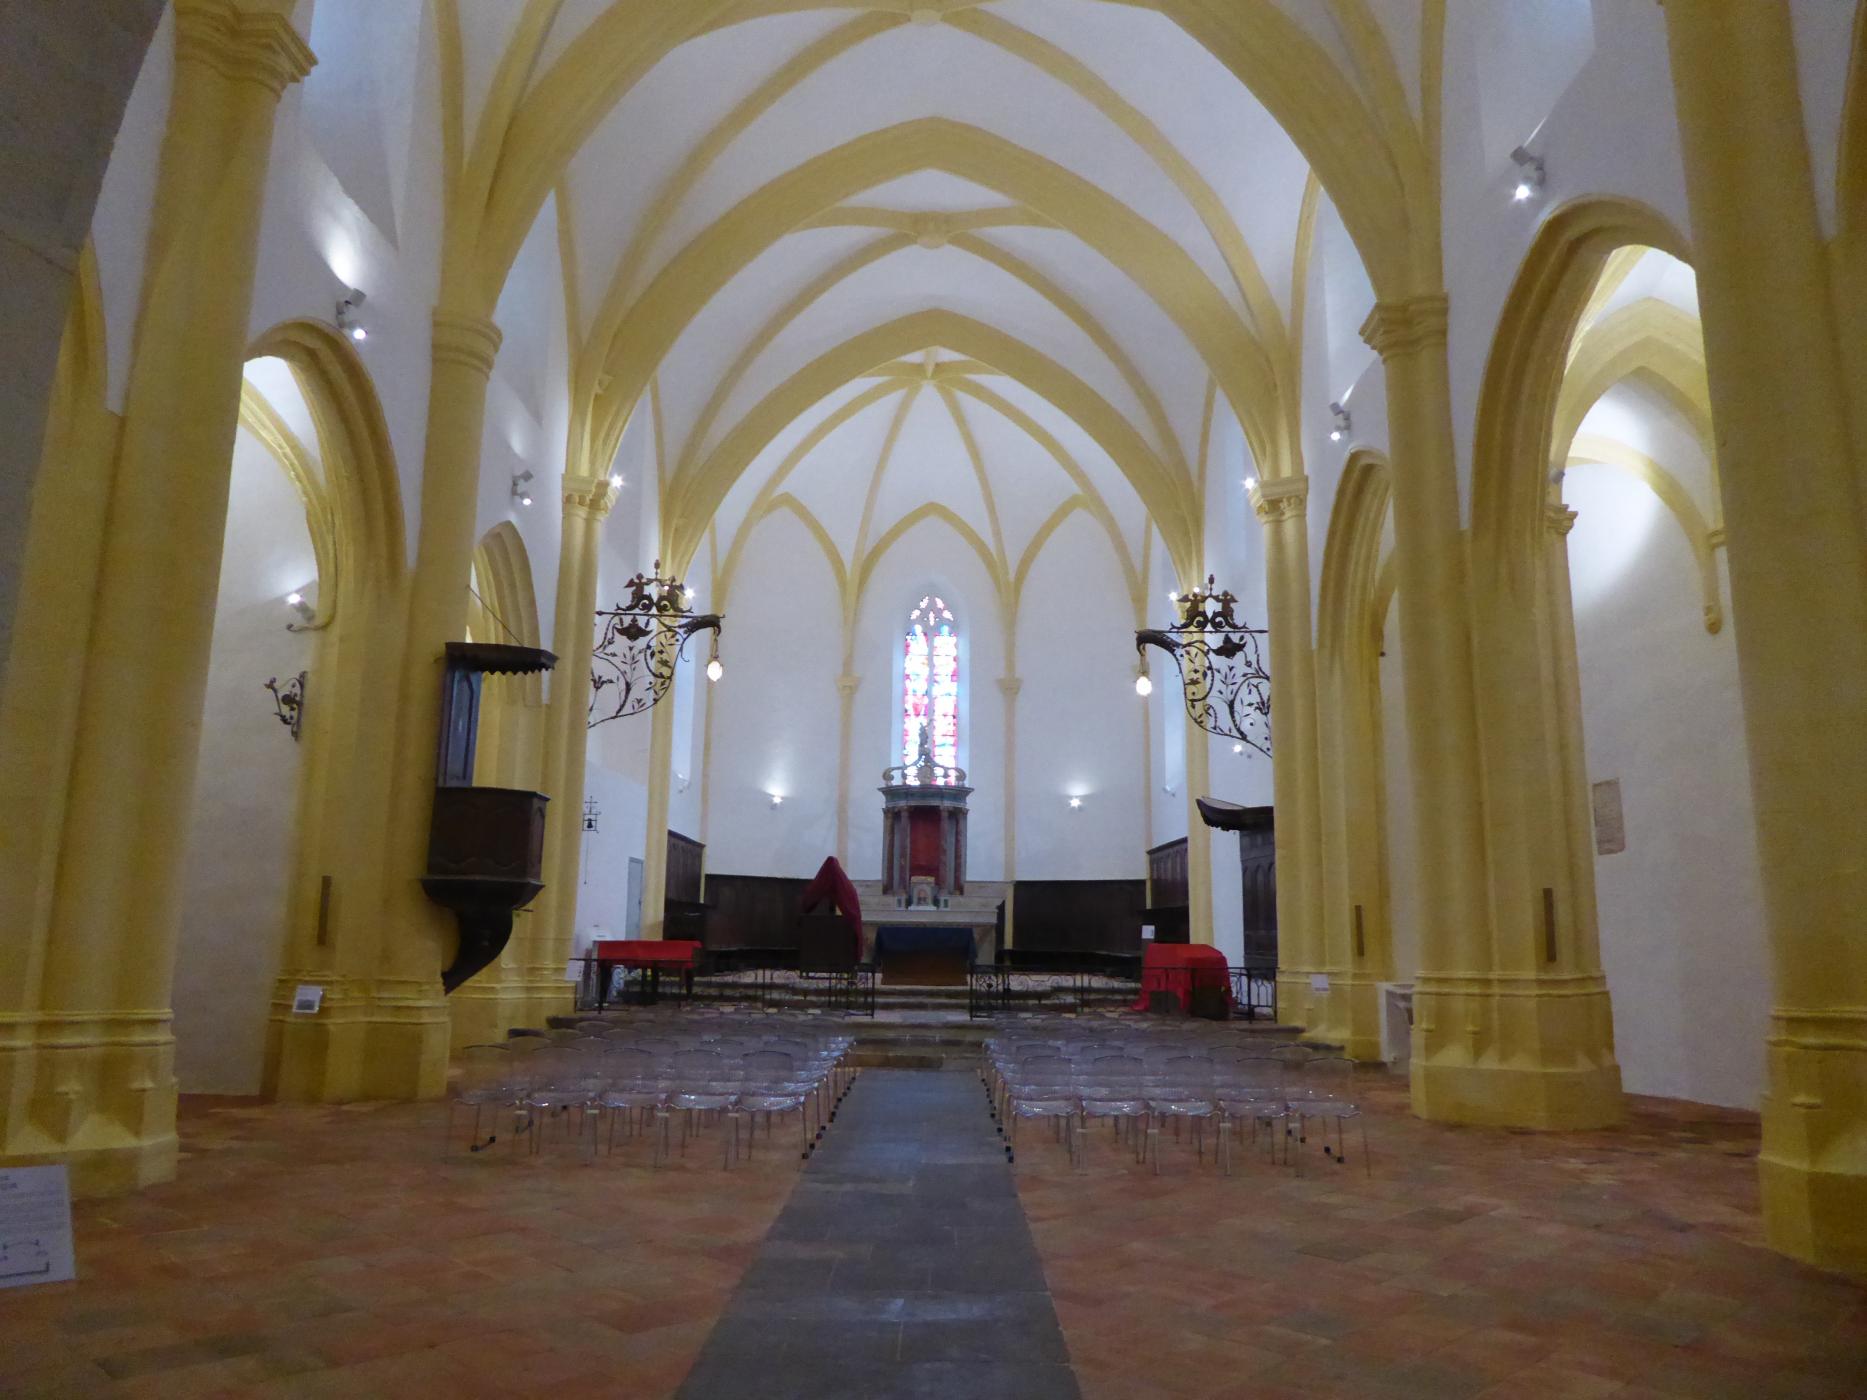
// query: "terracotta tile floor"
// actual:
[[330, 1252], [1475, 1262], [312, 1251]]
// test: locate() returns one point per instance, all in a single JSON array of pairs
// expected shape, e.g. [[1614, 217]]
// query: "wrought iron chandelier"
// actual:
[[633, 664], [1221, 661]]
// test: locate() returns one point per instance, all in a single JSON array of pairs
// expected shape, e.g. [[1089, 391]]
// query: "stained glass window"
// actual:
[[930, 690]]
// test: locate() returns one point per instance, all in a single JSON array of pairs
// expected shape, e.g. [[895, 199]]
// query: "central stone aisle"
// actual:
[[901, 1266]]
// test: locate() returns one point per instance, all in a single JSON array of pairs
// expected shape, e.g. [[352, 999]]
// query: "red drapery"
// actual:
[[831, 885]]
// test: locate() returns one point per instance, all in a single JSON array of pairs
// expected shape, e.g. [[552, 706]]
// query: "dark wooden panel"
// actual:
[[1257, 858], [753, 911], [685, 858], [1078, 916], [1166, 869]]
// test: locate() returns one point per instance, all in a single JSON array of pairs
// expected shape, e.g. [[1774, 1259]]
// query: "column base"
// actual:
[[1357, 1003], [1516, 1051], [1813, 1167], [1296, 1003], [381, 1040], [484, 1015], [95, 1091]]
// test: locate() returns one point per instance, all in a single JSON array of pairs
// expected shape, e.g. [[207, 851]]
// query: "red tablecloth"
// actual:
[[1177, 968], [646, 952]]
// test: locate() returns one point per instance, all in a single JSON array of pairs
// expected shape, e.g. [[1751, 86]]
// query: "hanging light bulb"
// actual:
[[714, 669], [1143, 685]]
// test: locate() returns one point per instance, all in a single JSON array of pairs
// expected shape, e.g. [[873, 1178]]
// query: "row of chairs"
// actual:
[[583, 1085], [1139, 1082]]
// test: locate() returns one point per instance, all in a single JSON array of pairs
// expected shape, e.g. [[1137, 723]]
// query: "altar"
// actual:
[[923, 928]]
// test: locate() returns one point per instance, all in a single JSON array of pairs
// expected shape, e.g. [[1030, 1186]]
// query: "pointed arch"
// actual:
[[1350, 609], [626, 343], [509, 597], [1653, 340], [1379, 189], [1168, 496], [1512, 448], [1588, 450]]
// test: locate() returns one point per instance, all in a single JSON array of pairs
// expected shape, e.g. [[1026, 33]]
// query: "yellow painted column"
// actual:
[[846, 687], [587, 503], [1009, 688], [394, 1042], [1355, 900], [655, 847], [97, 1087], [1302, 950], [1792, 490], [1454, 1011]]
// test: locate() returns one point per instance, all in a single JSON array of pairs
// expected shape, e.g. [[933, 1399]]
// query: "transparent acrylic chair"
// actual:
[[635, 1087], [1112, 1087], [1041, 1087], [1181, 1088], [1330, 1098], [1250, 1091]]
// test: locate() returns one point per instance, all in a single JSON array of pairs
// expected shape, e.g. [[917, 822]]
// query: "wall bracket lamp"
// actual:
[[1221, 661], [642, 642]]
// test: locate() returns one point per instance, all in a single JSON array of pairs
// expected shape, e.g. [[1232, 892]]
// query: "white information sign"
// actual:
[[35, 1226], [306, 999], [1147, 933], [1319, 981], [573, 970]]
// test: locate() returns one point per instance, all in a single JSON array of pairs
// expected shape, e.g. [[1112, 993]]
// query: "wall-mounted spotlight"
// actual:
[[1075, 803], [777, 799], [296, 602], [1529, 175], [519, 491], [1340, 423], [347, 321], [615, 482], [1251, 483]]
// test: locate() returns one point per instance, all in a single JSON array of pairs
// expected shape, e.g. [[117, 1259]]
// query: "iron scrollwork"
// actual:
[[289, 702], [642, 642], [1221, 664]]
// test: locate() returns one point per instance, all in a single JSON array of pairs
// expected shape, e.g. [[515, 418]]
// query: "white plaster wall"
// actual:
[[244, 819], [1683, 936], [1076, 724], [775, 726], [603, 893]]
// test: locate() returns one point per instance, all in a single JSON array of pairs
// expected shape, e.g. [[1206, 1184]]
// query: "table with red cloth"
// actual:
[[1180, 968], [651, 955]]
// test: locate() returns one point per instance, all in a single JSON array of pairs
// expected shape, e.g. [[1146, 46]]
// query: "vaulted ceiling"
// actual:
[[857, 259]]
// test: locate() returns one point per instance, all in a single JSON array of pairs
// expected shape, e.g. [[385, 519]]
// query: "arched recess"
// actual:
[[1590, 451], [1656, 344], [504, 608], [1357, 924], [1536, 798], [334, 935], [695, 495], [626, 343]]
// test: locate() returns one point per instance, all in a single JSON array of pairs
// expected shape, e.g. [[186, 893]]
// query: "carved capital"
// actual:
[[1286, 498], [1558, 519], [846, 685], [469, 341], [1407, 326], [588, 496], [1009, 686], [255, 46]]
